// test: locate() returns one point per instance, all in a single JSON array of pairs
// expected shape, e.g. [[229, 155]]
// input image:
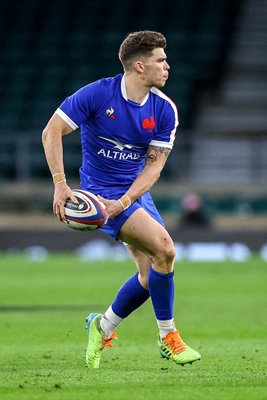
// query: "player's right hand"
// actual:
[[113, 207], [61, 194]]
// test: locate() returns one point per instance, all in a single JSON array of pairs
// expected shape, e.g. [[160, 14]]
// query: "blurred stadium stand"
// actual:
[[217, 52], [51, 48]]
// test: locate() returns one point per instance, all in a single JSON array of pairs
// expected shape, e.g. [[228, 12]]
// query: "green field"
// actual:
[[221, 310]]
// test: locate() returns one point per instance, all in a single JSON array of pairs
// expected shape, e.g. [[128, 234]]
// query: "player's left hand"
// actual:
[[113, 207]]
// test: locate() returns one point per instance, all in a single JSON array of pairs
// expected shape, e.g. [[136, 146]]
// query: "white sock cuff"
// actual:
[[166, 323], [112, 317]]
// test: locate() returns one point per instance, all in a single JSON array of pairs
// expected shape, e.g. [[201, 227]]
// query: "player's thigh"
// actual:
[[142, 262], [144, 233]]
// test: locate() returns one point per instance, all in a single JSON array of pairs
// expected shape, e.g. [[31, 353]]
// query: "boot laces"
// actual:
[[174, 341], [107, 341]]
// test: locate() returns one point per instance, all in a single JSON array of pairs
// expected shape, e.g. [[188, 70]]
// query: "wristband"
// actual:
[[64, 180], [125, 201], [58, 178]]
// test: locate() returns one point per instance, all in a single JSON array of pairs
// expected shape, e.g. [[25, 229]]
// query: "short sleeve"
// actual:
[[78, 107], [168, 123]]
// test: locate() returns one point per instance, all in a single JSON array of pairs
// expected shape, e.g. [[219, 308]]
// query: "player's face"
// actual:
[[156, 69]]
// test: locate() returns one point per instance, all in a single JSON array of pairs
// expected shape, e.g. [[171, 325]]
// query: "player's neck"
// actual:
[[135, 89]]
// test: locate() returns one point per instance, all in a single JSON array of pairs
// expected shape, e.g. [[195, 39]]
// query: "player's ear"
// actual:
[[139, 66]]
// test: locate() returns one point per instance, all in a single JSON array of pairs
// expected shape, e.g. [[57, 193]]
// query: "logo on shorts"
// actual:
[[110, 113]]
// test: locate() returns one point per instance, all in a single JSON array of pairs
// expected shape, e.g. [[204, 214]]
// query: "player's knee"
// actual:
[[165, 258], [170, 254]]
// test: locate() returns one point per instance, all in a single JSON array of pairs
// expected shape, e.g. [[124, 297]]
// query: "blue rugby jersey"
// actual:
[[116, 132]]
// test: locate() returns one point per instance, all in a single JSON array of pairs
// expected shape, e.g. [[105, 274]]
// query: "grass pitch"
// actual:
[[220, 310]]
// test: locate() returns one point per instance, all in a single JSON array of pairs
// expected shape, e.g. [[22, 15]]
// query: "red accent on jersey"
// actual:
[[149, 123]]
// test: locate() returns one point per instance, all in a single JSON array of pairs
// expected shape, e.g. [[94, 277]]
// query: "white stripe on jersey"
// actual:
[[163, 96], [158, 143], [66, 118]]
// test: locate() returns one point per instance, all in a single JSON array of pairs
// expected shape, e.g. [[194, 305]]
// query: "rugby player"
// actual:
[[127, 130]]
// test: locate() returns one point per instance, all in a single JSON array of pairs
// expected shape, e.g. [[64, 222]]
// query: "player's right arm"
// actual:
[[53, 147]]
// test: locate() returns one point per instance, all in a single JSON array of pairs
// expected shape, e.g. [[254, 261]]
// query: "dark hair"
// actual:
[[140, 43]]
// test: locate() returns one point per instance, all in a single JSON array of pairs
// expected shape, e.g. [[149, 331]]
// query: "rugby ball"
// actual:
[[88, 214]]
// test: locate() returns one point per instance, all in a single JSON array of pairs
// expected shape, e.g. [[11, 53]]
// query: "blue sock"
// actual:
[[161, 289], [130, 296]]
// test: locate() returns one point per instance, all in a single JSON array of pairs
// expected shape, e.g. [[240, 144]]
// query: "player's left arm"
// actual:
[[155, 160]]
